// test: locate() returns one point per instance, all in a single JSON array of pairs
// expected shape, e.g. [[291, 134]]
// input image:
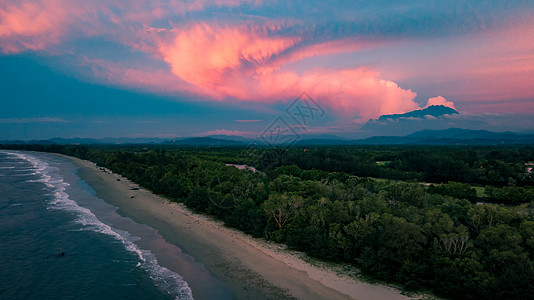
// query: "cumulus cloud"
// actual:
[[439, 100], [243, 62], [227, 53]]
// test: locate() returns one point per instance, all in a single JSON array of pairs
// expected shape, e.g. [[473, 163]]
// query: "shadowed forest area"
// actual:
[[409, 215]]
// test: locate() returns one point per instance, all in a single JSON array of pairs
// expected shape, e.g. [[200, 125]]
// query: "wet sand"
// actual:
[[251, 268]]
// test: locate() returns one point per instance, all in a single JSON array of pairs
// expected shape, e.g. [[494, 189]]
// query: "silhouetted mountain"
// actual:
[[13, 142], [433, 110], [62, 141], [107, 140], [49, 141], [90, 141], [141, 140], [230, 137], [457, 133]]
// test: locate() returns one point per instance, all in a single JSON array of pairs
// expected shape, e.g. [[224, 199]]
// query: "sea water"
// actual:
[[59, 241]]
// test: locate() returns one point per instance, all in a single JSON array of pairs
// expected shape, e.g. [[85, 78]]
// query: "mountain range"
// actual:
[[451, 136]]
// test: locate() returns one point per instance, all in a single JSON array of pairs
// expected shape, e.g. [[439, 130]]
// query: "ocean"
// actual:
[[60, 241]]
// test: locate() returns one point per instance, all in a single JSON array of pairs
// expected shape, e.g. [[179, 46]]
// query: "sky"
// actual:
[[108, 68]]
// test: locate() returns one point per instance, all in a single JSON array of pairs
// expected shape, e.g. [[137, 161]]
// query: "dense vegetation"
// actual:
[[341, 205]]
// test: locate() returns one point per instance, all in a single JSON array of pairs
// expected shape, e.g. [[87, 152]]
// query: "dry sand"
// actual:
[[251, 268]]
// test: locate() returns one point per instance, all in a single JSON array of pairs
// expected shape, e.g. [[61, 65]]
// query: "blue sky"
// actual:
[[189, 68]]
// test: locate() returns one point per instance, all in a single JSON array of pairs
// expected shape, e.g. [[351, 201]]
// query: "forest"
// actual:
[[454, 220]]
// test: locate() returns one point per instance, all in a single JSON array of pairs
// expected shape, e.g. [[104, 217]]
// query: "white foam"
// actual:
[[170, 281]]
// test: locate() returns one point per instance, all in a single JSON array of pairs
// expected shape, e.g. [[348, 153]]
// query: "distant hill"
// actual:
[[108, 140], [229, 137], [204, 141], [458, 133], [433, 110], [323, 136], [451, 136], [319, 142], [62, 141]]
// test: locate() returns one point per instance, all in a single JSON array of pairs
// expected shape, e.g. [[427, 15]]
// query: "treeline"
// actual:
[[423, 237], [495, 166], [475, 165]]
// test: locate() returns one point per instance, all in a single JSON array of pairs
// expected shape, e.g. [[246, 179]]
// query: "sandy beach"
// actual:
[[251, 268]]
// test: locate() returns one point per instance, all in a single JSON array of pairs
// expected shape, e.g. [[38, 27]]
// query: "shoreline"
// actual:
[[250, 267]]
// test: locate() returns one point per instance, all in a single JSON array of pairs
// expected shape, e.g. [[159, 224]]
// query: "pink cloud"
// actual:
[[38, 24], [439, 100], [226, 52], [244, 62], [357, 91], [41, 24], [31, 25]]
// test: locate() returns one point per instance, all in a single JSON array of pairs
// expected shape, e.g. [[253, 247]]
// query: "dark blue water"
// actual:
[[53, 247]]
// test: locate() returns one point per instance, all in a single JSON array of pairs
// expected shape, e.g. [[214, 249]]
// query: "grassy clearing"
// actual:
[[481, 192]]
